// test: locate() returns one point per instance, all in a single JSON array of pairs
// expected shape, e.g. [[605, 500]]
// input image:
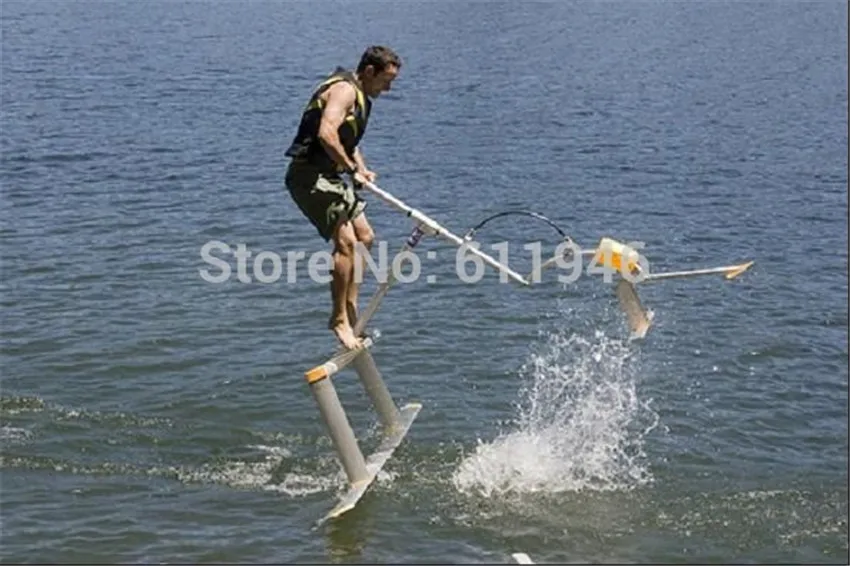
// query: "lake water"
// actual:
[[148, 415]]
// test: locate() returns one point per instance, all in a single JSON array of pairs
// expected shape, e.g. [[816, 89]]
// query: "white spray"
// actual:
[[578, 424]]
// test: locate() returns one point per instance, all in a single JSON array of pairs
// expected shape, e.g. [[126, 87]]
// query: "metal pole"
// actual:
[[340, 430], [377, 390], [434, 227], [376, 299], [730, 271]]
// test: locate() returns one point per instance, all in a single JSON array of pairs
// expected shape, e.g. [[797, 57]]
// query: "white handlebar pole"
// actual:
[[434, 227]]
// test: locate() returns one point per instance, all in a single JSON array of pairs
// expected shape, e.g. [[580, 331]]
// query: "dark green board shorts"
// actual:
[[324, 198]]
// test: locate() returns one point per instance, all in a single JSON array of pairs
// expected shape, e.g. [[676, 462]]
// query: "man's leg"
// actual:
[[344, 239], [365, 235]]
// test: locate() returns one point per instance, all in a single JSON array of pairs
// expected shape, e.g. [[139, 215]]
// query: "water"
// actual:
[[147, 415], [575, 430]]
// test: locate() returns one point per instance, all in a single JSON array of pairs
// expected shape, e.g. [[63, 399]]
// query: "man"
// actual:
[[326, 147]]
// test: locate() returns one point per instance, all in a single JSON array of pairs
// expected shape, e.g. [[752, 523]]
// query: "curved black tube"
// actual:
[[531, 213]]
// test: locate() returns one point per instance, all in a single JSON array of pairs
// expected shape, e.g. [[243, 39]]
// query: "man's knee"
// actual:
[[366, 236], [344, 238], [363, 231]]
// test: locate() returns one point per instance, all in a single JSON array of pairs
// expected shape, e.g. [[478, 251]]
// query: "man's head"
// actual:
[[378, 67]]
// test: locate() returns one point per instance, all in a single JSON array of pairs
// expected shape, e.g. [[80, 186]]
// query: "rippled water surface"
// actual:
[[148, 415]]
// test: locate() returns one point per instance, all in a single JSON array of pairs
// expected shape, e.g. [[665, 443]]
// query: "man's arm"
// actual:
[[340, 99], [362, 169], [358, 158]]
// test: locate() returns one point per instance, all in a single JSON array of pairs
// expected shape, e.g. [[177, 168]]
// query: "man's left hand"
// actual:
[[362, 175], [368, 175]]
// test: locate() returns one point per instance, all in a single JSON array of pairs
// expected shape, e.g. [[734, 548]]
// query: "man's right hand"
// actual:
[[360, 179], [368, 175], [357, 179]]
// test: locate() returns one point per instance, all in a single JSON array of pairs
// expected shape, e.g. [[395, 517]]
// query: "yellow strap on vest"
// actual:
[[361, 100], [361, 104]]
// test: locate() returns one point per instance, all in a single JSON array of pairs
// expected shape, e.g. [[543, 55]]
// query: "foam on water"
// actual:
[[261, 474], [13, 435], [276, 464], [794, 517], [580, 424]]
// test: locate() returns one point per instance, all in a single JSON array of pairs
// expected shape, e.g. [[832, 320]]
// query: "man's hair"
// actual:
[[380, 57]]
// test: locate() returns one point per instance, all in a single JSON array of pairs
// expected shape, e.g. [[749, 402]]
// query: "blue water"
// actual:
[[147, 415]]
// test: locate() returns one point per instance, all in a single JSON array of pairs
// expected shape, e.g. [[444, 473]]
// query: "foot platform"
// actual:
[[361, 472], [375, 462]]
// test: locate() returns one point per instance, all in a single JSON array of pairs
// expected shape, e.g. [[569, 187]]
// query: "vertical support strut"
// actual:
[[340, 431], [371, 379]]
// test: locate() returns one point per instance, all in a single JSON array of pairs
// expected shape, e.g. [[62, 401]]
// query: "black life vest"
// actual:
[[306, 144]]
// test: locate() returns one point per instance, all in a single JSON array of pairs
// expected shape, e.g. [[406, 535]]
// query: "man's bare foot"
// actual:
[[345, 334]]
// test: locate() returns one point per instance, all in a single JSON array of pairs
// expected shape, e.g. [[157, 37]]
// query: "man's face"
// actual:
[[376, 83]]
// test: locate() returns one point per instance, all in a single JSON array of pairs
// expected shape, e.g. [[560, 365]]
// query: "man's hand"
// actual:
[[361, 176], [368, 175], [361, 169], [357, 178]]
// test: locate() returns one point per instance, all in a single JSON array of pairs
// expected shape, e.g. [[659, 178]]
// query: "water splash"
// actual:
[[580, 424]]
